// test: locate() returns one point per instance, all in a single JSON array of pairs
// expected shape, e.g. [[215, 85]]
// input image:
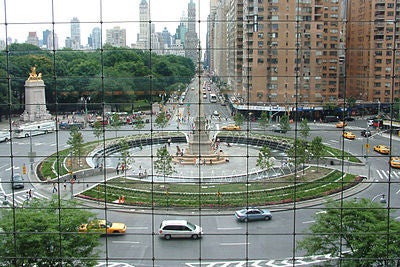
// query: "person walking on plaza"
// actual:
[[54, 188]]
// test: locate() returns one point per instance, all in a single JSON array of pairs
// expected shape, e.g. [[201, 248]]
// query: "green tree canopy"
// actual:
[[42, 234], [363, 228], [238, 118], [284, 123], [75, 141]]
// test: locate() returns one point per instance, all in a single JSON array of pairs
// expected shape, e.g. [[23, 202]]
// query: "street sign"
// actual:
[[23, 169], [367, 146]]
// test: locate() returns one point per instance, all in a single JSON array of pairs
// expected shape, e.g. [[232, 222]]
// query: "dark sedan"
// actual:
[[253, 214], [366, 133]]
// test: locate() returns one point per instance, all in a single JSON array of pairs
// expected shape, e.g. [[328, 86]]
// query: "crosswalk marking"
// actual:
[[384, 174], [21, 197]]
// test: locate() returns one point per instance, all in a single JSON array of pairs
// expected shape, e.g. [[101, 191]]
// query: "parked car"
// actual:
[[179, 229], [5, 136], [395, 162], [341, 124], [230, 127], [252, 214], [17, 181], [103, 227], [215, 113], [366, 133], [349, 135], [382, 149]]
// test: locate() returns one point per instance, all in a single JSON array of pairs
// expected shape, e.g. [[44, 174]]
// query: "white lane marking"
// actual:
[[234, 244], [1, 167], [321, 212], [229, 228], [125, 242], [313, 221]]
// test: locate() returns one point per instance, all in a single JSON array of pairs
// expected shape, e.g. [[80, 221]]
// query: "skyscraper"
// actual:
[[143, 41], [75, 33], [191, 40], [96, 38], [32, 39]]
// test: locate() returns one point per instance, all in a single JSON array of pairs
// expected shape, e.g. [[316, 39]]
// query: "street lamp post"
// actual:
[[85, 99]]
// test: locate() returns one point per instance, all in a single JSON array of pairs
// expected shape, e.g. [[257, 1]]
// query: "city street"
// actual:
[[224, 237]]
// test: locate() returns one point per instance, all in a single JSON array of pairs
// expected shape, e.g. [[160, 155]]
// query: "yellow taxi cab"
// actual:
[[349, 135], [395, 162], [230, 127], [102, 227], [341, 124], [382, 149]]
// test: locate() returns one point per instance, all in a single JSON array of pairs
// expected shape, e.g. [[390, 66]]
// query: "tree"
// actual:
[[238, 118], [264, 160], [363, 227], [316, 149], [116, 123], [125, 154], [75, 141], [42, 234], [161, 120], [304, 129], [284, 123], [298, 153], [264, 120], [98, 130], [163, 163]]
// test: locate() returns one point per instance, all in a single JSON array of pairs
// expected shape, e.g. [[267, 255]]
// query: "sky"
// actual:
[[23, 16]]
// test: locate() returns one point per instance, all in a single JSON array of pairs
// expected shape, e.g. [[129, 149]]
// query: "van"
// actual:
[[179, 229], [4, 136]]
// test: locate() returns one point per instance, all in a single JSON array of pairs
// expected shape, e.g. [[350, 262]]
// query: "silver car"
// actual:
[[17, 181], [179, 229]]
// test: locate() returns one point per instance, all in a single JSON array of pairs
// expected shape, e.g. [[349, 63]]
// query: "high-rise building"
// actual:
[[286, 54], [52, 41], [95, 37], [181, 30], [75, 33], [191, 40], [166, 37], [116, 37], [143, 41], [32, 39], [45, 35], [372, 38]]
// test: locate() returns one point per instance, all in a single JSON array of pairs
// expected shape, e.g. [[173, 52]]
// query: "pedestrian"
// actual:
[[65, 185], [54, 188], [117, 169], [30, 193], [204, 161]]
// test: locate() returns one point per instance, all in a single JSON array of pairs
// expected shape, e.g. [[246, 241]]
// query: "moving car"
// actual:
[[230, 127], [17, 181], [366, 133], [395, 162], [349, 135], [103, 227], [216, 113], [179, 229], [341, 124], [382, 149], [252, 214]]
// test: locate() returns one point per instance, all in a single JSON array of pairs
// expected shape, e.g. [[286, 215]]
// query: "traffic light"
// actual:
[[23, 169]]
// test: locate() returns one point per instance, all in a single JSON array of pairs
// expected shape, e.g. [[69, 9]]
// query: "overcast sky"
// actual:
[[23, 16]]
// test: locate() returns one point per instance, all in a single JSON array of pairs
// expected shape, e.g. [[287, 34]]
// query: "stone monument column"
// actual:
[[35, 98]]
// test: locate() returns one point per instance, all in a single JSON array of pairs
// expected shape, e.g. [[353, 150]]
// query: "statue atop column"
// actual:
[[35, 98]]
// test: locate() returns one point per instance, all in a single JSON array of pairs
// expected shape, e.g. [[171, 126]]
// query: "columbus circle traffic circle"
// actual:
[[228, 176]]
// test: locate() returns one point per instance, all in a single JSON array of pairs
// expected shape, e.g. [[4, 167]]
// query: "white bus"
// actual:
[[213, 98], [34, 128]]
